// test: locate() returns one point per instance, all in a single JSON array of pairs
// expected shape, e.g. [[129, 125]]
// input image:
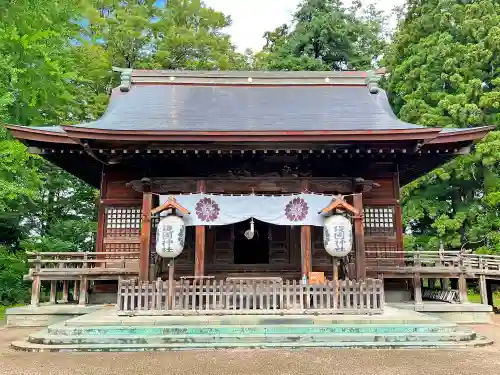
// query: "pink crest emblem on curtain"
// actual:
[[207, 209], [296, 209]]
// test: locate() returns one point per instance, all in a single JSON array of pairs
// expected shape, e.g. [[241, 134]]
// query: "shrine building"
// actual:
[[253, 158]]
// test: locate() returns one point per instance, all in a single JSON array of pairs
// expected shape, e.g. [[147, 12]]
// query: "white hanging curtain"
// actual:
[[210, 209]]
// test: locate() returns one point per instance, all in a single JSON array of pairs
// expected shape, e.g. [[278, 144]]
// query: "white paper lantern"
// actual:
[[337, 235], [170, 236]]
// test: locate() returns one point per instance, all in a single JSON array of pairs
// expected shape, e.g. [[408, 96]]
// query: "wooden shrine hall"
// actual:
[[276, 135]]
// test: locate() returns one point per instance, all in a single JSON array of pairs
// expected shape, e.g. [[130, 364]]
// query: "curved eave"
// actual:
[[33, 134], [469, 135], [251, 136], [71, 135]]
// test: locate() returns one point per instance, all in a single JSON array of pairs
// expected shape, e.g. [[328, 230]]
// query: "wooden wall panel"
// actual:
[[294, 245], [115, 187], [279, 240], [320, 258], [384, 191], [223, 248]]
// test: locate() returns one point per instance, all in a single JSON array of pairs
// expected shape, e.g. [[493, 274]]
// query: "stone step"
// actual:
[[106, 319], [44, 338], [311, 329], [27, 346]]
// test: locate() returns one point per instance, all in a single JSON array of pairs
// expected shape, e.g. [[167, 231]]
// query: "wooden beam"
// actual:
[[144, 247], [359, 238], [305, 241], [199, 256]]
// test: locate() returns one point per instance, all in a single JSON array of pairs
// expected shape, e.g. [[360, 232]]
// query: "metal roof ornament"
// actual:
[[372, 80], [126, 78]]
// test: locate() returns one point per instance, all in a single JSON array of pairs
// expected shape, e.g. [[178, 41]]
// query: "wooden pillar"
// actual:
[[82, 297], [199, 246], [417, 288], [305, 248], [305, 241], [171, 273], [462, 288], [35, 291], [53, 291], [65, 292], [359, 238], [483, 291], [144, 247], [76, 289]]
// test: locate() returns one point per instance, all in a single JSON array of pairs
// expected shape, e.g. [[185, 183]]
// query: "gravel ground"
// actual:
[[482, 361]]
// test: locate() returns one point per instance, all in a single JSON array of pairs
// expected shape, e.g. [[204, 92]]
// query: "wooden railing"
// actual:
[[435, 262], [78, 269], [418, 265], [207, 296]]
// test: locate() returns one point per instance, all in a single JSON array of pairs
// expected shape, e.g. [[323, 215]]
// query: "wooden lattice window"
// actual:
[[122, 221], [379, 221]]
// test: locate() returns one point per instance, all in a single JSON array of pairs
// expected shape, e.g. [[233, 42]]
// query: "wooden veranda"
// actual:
[[62, 270]]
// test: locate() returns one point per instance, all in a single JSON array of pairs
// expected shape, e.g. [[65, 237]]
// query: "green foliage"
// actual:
[[12, 268], [56, 69], [180, 34], [325, 36], [445, 72]]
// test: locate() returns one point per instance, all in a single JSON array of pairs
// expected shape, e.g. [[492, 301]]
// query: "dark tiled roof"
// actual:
[[247, 101], [244, 108]]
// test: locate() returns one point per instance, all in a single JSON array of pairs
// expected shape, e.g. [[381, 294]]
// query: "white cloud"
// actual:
[[251, 19]]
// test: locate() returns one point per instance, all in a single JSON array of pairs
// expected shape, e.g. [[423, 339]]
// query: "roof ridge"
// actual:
[[250, 78]]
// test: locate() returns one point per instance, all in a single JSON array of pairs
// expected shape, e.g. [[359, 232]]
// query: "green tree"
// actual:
[[50, 77], [12, 268], [123, 29], [325, 35], [189, 35], [445, 72]]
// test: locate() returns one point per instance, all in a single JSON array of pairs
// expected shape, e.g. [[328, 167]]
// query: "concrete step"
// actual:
[[44, 338], [27, 346], [311, 329], [105, 318]]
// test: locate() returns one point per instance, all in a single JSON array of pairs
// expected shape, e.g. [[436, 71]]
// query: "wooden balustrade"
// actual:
[[74, 271], [461, 265], [208, 296], [79, 268], [435, 262]]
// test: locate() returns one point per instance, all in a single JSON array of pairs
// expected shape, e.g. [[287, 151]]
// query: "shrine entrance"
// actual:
[[253, 250]]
